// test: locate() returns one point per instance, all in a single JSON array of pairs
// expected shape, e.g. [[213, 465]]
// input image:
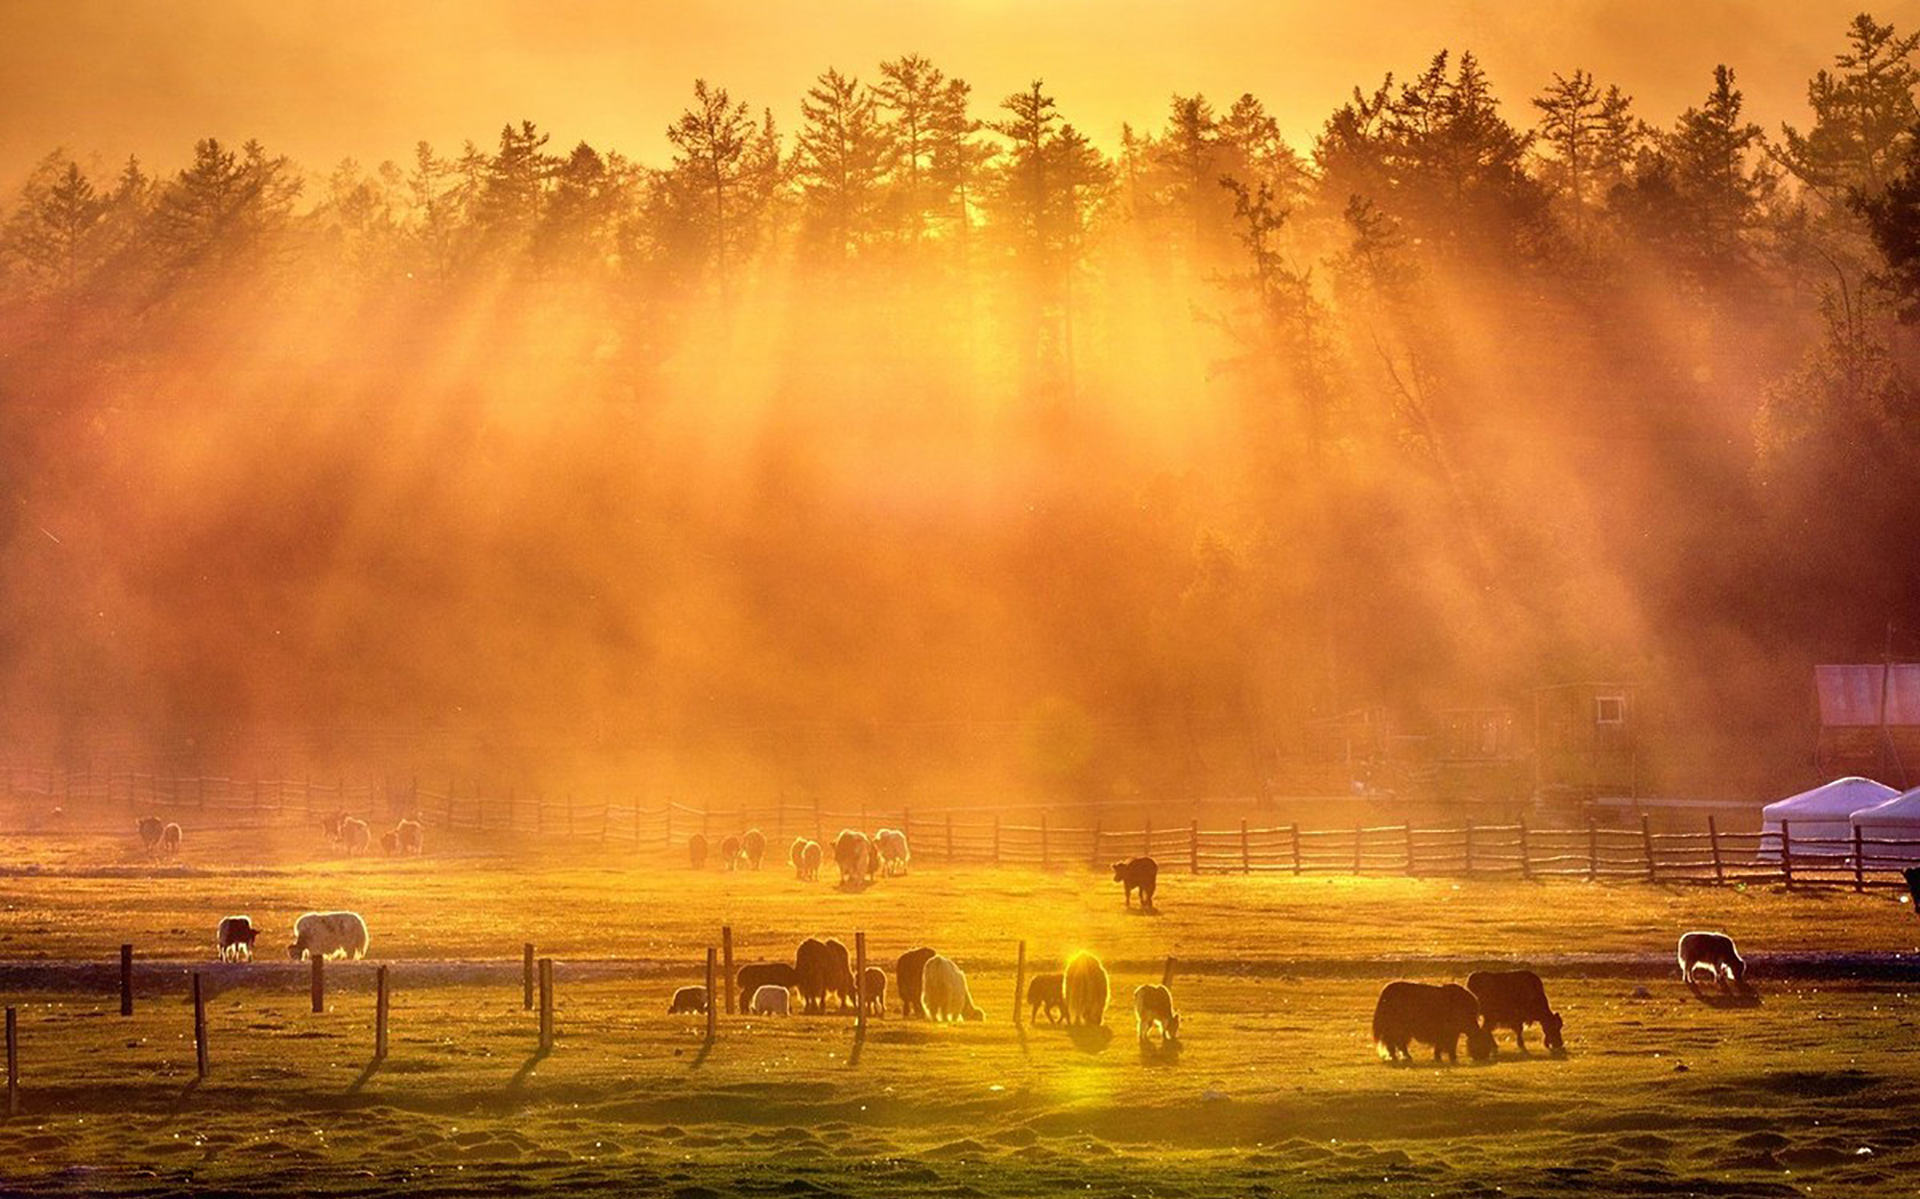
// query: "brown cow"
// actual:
[[754, 844], [697, 851], [824, 970], [1138, 874], [909, 977], [873, 991], [1513, 999], [1048, 991], [1436, 1016], [763, 974]]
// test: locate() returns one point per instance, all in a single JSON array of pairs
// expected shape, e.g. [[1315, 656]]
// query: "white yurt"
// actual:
[[1898, 819], [1822, 814]]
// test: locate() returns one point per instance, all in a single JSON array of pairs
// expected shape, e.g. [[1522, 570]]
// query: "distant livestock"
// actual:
[[946, 994], [824, 971], [754, 845], [170, 839], [1087, 989], [1436, 1016], [798, 855], [331, 822], [1048, 992], [909, 980], [1514, 999], [329, 934], [729, 853], [1138, 874], [810, 863], [413, 838], [149, 827], [763, 974], [1153, 1008], [873, 991], [770, 1001], [891, 844], [235, 938], [389, 842], [697, 851], [355, 835], [1714, 953], [853, 854], [688, 999]]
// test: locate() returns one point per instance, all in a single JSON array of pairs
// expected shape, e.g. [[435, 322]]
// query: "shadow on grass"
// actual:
[[1163, 1053], [366, 1075], [859, 1044], [1728, 1000], [1090, 1038], [519, 1080]]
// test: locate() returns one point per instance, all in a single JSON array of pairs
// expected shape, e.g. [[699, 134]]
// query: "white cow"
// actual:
[[944, 992], [329, 934], [770, 1000], [892, 845]]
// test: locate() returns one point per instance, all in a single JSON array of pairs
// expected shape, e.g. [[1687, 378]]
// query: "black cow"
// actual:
[[1138, 874], [1514, 999]]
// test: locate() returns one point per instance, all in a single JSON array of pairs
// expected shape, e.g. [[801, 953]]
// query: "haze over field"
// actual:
[[1083, 429]]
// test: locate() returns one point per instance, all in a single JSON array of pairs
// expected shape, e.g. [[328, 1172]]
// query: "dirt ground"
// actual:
[[1274, 1089]]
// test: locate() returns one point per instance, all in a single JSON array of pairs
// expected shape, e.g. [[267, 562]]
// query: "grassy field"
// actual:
[[1275, 1090]]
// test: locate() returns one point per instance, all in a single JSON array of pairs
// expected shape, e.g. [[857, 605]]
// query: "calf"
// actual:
[[799, 856], [729, 853], [697, 851], [688, 999], [235, 938], [1514, 999], [873, 991], [754, 845], [1153, 1007], [170, 838], [810, 861], [1437, 1016], [1713, 952], [1138, 874], [909, 978], [1048, 991], [770, 1001], [763, 974]]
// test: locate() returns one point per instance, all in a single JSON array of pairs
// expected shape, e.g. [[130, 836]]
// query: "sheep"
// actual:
[[1437, 1016], [730, 853], [1715, 953], [329, 934], [1513, 999], [811, 865], [1138, 874], [946, 994], [873, 991], [763, 974], [771, 1001], [149, 827], [697, 851], [355, 835], [412, 837], [170, 839], [1153, 1006], [1047, 991], [753, 843], [389, 843], [1087, 990], [909, 976], [235, 938], [892, 846], [853, 854], [824, 970], [688, 999]]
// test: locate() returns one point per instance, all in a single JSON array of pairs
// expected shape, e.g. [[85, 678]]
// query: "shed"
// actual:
[[1586, 739], [1823, 814]]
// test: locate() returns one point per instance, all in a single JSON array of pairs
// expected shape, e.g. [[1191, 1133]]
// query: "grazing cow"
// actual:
[[1048, 991], [1714, 953], [329, 934], [730, 853], [412, 837], [688, 999], [235, 938], [798, 855], [1087, 988], [1153, 1006], [754, 845], [331, 822], [697, 851], [891, 844], [946, 994], [170, 839], [770, 1001], [355, 835], [1436, 1016], [909, 978], [149, 827], [1514, 999], [810, 866], [873, 991], [763, 974], [1138, 874], [389, 843], [824, 970], [853, 854]]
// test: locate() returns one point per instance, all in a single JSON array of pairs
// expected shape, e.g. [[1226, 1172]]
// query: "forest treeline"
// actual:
[[906, 438]]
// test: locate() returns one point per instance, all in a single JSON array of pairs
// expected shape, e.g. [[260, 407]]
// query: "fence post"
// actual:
[[1646, 842], [1713, 842], [859, 980], [1043, 840], [1526, 859], [1166, 975], [949, 837], [996, 838], [526, 976], [1359, 834], [1146, 849], [546, 1005], [1859, 870], [1408, 830], [1469, 849], [319, 984], [712, 1007], [199, 1028], [1019, 983], [380, 1015], [13, 1065], [1593, 849], [1295, 831], [126, 980], [1246, 849], [726, 962], [1193, 846], [1786, 852]]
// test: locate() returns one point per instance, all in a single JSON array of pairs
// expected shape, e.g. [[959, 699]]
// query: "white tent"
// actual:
[[1822, 814], [1898, 819]]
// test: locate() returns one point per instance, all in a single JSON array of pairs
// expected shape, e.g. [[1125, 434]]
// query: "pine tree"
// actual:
[[225, 209], [1719, 173], [1863, 114], [56, 235], [841, 159], [720, 172]]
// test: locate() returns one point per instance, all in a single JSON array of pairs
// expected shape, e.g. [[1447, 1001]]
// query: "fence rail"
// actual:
[[973, 835]]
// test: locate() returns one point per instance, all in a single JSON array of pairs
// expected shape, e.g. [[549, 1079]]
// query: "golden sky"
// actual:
[[369, 77]]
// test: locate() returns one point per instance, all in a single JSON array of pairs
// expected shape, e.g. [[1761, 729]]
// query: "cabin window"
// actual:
[[1609, 709]]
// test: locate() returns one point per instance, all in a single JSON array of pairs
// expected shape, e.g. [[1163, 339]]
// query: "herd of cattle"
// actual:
[[860, 858], [348, 833]]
